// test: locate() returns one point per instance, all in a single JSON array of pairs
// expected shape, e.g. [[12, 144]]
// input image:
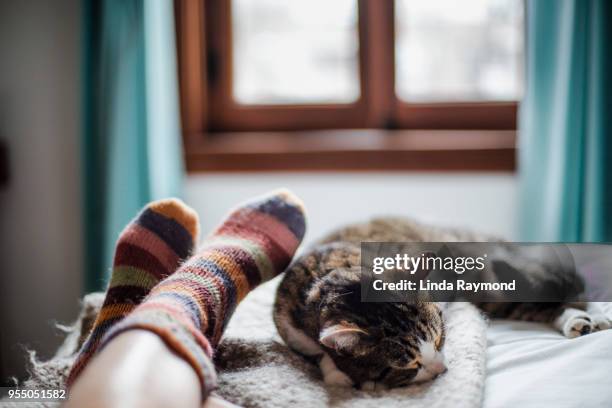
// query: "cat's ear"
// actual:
[[341, 336]]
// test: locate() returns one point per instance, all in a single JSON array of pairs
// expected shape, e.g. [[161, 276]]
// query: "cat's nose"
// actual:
[[437, 368]]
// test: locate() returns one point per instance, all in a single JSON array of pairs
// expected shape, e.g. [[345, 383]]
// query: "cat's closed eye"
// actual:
[[414, 365], [399, 377]]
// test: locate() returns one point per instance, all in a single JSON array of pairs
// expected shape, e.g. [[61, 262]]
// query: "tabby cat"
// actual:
[[319, 313]]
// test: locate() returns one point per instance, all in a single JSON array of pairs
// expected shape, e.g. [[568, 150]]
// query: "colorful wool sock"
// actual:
[[149, 249], [190, 309]]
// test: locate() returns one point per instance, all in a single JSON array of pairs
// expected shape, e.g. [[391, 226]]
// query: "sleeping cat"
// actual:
[[319, 314]]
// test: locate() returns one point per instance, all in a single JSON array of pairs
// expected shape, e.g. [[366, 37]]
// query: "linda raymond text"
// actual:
[[444, 285]]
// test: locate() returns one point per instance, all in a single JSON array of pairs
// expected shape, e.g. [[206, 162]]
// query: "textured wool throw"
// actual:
[[257, 370]]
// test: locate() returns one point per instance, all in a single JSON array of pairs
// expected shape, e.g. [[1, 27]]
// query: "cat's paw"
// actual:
[[337, 378], [331, 374], [575, 323], [579, 324]]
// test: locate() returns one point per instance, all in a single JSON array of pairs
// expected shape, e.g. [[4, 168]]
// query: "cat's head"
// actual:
[[390, 343]]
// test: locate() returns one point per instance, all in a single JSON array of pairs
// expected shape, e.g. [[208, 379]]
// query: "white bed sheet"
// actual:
[[532, 365]]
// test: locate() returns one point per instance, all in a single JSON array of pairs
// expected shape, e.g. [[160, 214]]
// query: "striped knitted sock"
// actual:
[[190, 309], [149, 249]]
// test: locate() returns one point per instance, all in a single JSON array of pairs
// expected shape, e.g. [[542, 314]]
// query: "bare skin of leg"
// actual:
[[136, 369]]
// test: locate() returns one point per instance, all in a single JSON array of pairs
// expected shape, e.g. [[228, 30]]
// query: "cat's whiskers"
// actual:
[[337, 295], [334, 297]]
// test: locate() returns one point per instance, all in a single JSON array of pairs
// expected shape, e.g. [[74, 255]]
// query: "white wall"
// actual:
[[40, 217], [486, 202]]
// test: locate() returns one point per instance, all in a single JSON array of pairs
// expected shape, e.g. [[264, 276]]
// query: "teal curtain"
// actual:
[[565, 147], [132, 150]]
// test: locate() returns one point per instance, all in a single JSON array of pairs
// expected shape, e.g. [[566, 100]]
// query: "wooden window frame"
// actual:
[[225, 136]]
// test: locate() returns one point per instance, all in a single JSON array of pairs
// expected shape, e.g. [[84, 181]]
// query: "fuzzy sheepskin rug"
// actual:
[[257, 370]]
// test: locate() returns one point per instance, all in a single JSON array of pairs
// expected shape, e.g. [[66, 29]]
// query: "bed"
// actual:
[[525, 364], [504, 364], [532, 365]]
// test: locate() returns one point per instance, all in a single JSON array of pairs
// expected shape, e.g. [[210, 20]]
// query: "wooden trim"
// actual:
[[219, 56], [354, 150], [287, 117], [190, 36], [484, 115], [377, 39]]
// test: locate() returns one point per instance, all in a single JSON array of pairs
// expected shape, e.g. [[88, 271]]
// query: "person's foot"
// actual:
[[148, 250]]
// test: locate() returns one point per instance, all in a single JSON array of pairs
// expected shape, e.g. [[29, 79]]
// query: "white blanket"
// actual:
[[532, 365]]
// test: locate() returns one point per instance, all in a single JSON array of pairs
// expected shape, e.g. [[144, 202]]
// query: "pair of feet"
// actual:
[[158, 284]]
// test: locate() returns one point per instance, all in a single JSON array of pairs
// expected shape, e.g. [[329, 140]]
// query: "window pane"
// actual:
[[449, 50], [295, 51]]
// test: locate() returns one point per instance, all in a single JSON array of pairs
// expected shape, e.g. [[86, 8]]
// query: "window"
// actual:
[[288, 52], [407, 69], [448, 51]]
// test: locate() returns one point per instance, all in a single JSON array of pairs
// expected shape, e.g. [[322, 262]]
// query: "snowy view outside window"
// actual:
[[295, 51], [307, 51], [449, 50]]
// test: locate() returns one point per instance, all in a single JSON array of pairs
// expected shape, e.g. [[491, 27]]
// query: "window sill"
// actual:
[[353, 150]]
